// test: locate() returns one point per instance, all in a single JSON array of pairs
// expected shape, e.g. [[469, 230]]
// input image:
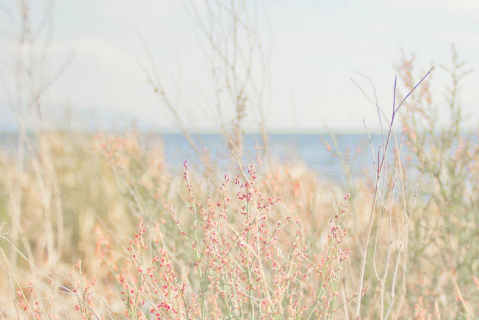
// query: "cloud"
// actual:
[[459, 9], [98, 49], [382, 29]]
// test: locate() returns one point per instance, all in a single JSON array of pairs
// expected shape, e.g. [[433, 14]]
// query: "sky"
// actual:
[[315, 48]]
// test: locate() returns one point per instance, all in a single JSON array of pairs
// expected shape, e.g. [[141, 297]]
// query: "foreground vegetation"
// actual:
[[97, 228]]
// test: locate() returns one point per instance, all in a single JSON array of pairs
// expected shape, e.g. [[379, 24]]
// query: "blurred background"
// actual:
[[95, 52]]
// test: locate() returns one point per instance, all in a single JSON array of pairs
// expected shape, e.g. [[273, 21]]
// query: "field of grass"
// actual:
[[96, 227]]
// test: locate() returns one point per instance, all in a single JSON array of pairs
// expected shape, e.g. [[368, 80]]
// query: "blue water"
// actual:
[[309, 149]]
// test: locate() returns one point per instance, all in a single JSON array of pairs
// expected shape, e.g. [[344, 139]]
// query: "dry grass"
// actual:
[[105, 231], [97, 228]]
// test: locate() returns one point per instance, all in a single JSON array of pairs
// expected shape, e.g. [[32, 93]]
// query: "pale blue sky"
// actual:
[[316, 46]]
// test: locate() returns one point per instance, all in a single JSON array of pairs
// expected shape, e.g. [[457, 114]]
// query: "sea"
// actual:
[[331, 157]]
